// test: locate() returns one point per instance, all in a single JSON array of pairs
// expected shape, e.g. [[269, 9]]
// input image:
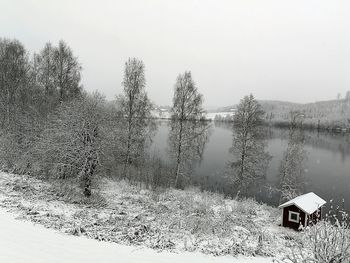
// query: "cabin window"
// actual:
[[293, 217]]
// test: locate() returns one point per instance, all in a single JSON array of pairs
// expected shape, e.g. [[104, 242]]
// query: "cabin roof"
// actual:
[[309, 202]]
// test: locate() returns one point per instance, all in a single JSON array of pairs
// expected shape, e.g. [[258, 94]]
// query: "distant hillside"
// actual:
[[324, 114], [223, 109]]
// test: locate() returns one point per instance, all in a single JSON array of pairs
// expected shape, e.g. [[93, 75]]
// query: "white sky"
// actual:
[[293, 50]]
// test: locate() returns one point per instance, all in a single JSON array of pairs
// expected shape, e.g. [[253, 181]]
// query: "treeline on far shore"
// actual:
[[318, 126], [311, 126], [330, 115]]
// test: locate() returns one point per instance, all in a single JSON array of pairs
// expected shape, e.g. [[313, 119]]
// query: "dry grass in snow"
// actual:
[[173, 220]]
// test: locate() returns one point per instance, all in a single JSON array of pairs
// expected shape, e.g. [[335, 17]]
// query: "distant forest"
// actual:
[[325, 115]]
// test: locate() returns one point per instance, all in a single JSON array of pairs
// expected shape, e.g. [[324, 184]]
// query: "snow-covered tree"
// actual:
[[45, 76], [69, 147], [67, 72], [20, 101], [57, 75], [294, 158], [188, 133], [135, 116], [248, 149], [14, 88]]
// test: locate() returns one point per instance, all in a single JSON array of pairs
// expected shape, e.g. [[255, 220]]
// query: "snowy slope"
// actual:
[[24, 242]]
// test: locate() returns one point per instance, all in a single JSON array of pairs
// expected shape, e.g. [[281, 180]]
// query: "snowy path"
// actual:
[[24, 242]]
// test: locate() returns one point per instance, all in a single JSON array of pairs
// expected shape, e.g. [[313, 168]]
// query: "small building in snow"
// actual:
[[302, 210]]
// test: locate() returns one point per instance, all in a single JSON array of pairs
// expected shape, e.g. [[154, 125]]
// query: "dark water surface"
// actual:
[[327, 170]]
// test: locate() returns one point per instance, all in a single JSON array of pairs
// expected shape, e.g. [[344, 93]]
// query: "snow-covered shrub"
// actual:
[[246, 207], [324, 242], [70, 145]]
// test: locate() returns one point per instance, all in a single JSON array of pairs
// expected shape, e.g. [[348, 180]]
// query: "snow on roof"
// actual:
[[309, 202]]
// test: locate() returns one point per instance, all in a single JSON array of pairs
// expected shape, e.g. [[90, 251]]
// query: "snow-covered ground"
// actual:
[[24, 242], [128, 221]]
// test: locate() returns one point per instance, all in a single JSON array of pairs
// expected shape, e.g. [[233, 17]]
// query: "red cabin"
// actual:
[[302, 210]]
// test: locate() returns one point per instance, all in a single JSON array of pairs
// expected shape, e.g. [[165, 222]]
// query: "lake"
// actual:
[[327, 170]]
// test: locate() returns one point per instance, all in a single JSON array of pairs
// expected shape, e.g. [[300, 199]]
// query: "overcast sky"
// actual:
[[295, 50]]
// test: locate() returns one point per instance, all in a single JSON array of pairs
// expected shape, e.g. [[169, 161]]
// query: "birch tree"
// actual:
[[188, 133], [294, 158], [45, 68], [29, 91], [67, 72], [135, 113], [248, 149], [14, 67], [17, 102], [58, 75]]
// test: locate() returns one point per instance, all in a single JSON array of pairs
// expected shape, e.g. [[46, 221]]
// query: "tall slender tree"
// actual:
[[250, 158], [293, 162], [188, 133], [14, 68], [67, 72], [45, 69], [135, 112]]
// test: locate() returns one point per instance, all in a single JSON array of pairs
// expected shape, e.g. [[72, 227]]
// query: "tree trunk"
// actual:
[[177, 172], [88, 172]]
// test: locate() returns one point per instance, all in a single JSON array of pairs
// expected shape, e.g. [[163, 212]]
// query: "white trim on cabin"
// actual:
[[290, 214], [305, 220]]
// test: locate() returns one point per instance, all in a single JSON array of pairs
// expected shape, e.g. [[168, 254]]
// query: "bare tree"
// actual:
[[67, 72], [57, 75], [27, 89], [347, 96], [14, 68], [250, 158], [294, 158], [70, 145], [135, 113], [45, 69], [188, 133], [19, 101]]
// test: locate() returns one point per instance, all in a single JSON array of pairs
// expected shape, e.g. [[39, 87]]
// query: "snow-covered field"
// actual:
[[134, 224], [23, 242]]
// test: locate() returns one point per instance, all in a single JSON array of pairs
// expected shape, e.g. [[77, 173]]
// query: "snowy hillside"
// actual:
[[25, 242], [327, 114], [174, 221]]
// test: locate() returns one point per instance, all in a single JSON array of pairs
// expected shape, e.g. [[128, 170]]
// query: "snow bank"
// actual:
[[24, 242]]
